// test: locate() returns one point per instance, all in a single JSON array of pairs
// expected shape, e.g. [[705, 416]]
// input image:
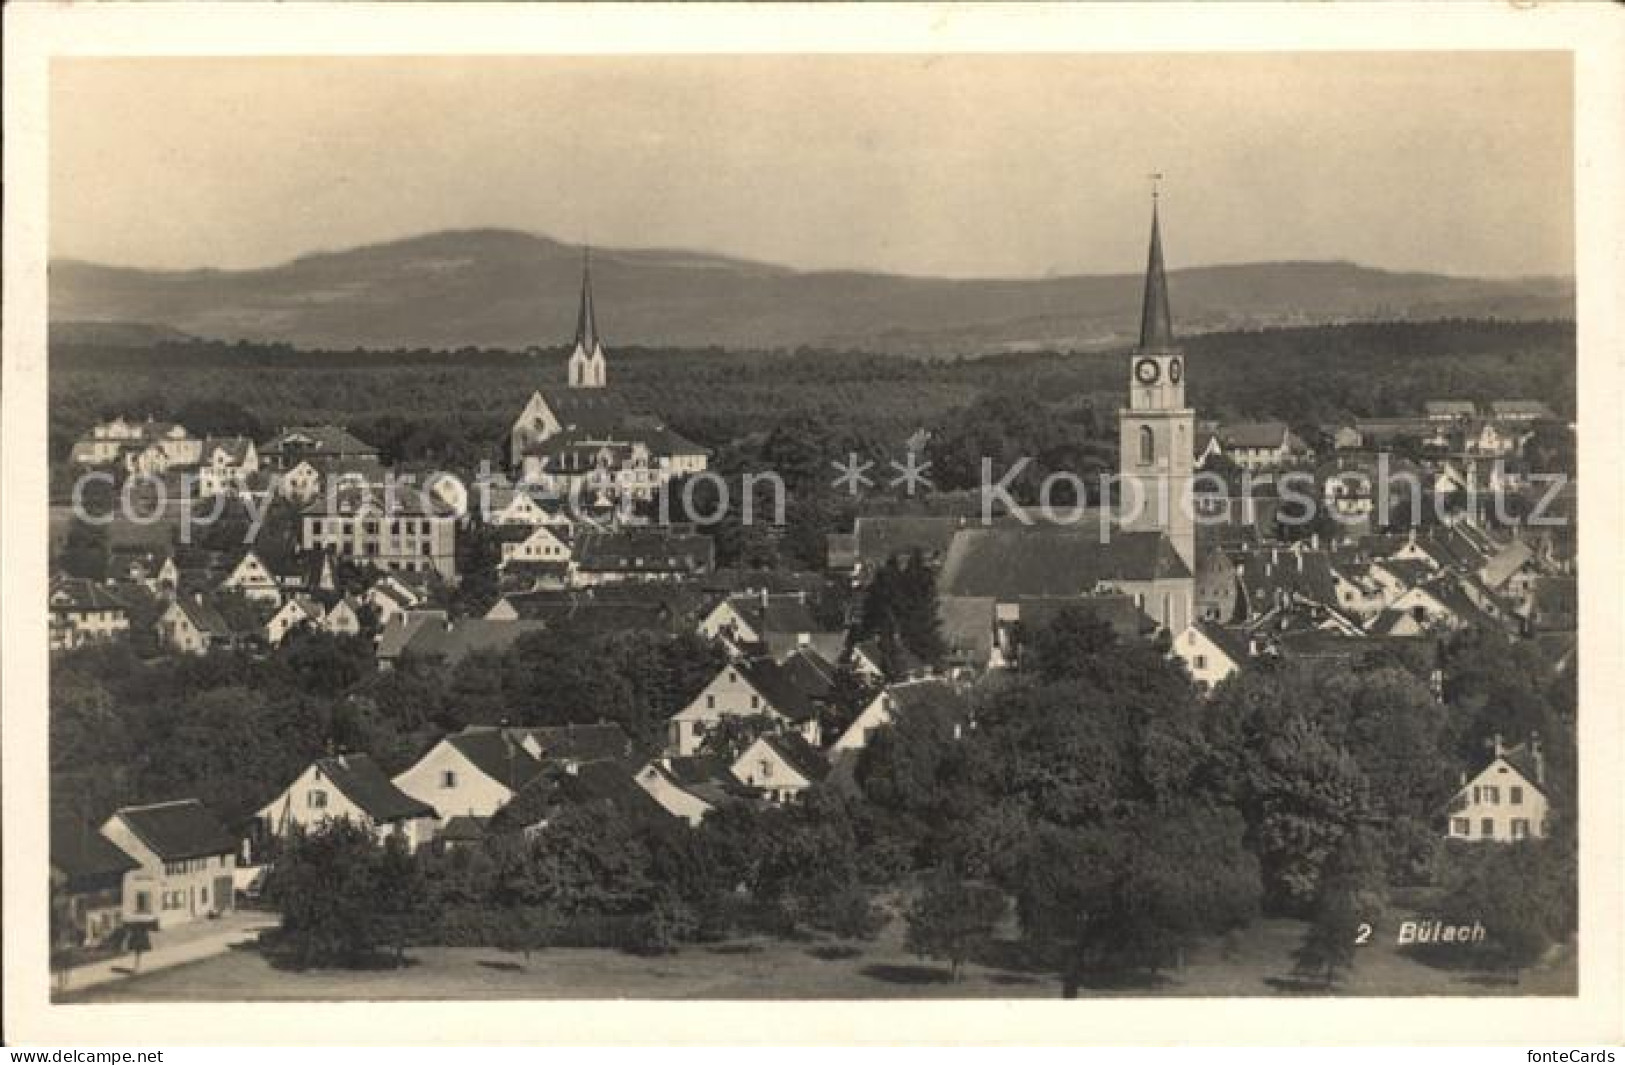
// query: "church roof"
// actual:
[[1011, 563], [1156, 321]]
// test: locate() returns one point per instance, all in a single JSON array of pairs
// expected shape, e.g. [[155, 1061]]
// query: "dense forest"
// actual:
[[455, 406]]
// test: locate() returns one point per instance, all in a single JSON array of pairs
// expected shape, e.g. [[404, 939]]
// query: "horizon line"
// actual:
[[742, 260]]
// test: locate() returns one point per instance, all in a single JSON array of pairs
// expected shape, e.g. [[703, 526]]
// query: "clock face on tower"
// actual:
[[1146, 371], [1176, 370]]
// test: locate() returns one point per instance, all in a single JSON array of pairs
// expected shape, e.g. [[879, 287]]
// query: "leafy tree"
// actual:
[[1305, 794], [337, 906], [730, 736], [952, 917], [1352, 893], [86, 553]]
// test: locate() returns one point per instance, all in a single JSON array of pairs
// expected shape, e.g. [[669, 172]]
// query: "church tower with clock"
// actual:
[[1156, 429]]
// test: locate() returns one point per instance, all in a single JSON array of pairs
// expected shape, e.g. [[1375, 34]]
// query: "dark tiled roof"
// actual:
[[178, 830], [366, 785], [1252, 434], [497, 754], [1232, 641], [809, 671], [204, 617], [780, 686], [595, 613], [879, 538], [86, 858], [587, 409], [322, 440], [605, 785], [801, 756], [1010, 563], [457, 640], [581, 743], [645, 551], [78, 594], [779, 613]]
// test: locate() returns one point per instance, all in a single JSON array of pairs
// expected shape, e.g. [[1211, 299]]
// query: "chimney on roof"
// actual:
[[1538, 755], [1498, 745]]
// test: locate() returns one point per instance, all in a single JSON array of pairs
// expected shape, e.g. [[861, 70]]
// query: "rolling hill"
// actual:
[[501, 288]]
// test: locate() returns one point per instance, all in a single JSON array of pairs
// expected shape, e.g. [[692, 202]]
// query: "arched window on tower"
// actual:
[[1148, 446]]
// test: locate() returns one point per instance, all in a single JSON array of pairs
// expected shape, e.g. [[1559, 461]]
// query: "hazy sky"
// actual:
[[961, 165]]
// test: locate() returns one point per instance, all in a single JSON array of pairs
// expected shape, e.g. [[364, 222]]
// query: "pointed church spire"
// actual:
[[586, 324], [1156, 322]]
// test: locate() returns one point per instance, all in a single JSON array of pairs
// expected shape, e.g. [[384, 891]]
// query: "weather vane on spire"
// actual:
[[1156, 183]]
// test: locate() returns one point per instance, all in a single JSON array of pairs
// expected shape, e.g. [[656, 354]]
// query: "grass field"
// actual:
[[1254, 963]]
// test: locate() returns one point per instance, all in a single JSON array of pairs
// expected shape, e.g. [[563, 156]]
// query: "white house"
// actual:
[[354, 788], [751, 624], [343, 618], [541, 544], [295, 611], [254, 579], [227, 465], [471, 773], [1505, 801], [193, 626], [393, 595], [688, 788], [186, 860], [745, 688], [781, 766], [1210, 652]]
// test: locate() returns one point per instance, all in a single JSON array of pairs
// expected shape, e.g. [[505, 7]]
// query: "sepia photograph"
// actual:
[[810, 527]]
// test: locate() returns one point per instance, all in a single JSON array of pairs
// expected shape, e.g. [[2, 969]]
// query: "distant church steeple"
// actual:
[[1156, 321], [588, 367]]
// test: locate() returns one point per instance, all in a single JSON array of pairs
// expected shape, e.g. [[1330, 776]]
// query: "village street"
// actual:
[[171, 947]]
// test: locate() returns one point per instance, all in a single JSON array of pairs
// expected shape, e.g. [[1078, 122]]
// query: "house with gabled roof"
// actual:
[[255, 580], [185, 860], [349, 787], [767, 623], [1212, 652], [895, 701], [603, 788], [343, 617], [574, 744], [781, 766], [746, 688], [392, 595], [537, 545], [87, 882], [227, 465], [1252, 445], [690, 788], [1504, 801], [296, 611], [473, 773], [314, 444], [191, 625]]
